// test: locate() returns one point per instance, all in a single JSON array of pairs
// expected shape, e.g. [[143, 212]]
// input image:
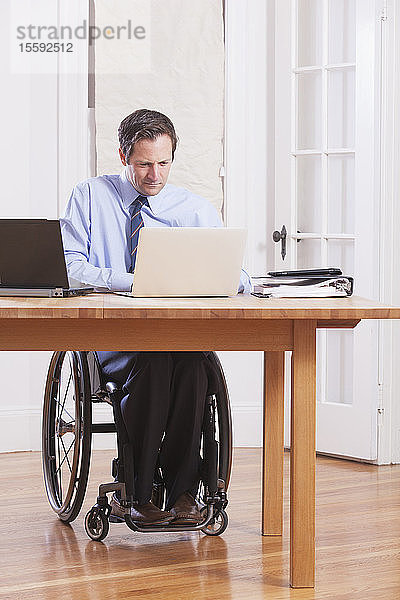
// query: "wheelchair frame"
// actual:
[[74, 382]]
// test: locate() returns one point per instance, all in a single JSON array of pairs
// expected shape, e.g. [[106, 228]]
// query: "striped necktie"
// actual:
[[136, 225]]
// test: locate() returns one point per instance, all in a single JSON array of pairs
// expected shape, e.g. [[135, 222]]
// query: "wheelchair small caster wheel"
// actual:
[[96, 525], [217, 525]]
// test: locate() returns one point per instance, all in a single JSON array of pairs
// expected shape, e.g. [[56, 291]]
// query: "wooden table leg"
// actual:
[[272, 486], [302, 456]]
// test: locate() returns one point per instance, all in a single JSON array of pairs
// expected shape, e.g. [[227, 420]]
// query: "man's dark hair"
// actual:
[[144, 124]]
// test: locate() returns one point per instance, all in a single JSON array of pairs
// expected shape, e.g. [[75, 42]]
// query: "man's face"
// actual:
[[151, 163]]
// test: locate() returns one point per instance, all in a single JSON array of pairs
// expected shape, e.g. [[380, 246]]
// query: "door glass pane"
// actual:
[[341, 193], [341, 108], [309, 254], [341, 254], [339, 366], [309, 32], [309, 111], [342, 39], [309, 193]]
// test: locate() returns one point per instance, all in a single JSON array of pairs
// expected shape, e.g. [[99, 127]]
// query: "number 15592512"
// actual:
[[46, 47]]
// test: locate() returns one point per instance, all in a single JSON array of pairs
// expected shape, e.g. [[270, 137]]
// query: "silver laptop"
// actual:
[[32, 260], [188, 261]]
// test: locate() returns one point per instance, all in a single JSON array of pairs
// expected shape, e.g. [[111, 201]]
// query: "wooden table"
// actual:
[[111, 322]]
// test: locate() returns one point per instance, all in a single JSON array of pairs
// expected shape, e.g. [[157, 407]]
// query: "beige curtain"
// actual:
[[177, 67]]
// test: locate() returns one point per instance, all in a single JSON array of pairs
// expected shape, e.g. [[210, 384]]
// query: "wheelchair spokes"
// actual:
[[60, 407], [60, 462]]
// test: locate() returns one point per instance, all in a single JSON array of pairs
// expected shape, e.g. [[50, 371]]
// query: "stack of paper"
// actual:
[[302, 287]]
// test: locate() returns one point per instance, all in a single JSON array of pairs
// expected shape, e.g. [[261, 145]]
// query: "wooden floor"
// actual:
[[358, 542]]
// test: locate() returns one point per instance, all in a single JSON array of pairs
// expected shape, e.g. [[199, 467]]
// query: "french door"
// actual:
[[327, 191]]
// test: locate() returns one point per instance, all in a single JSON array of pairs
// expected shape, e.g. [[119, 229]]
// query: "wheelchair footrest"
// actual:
[[115, 519]]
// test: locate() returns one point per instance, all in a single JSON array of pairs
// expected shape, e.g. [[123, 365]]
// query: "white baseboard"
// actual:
[[247, 426], [20, 428]]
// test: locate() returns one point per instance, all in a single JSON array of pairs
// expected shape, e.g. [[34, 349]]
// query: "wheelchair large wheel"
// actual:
[[66, 433]]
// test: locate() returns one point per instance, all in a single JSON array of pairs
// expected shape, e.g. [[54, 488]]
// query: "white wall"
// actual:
[[177, 69]]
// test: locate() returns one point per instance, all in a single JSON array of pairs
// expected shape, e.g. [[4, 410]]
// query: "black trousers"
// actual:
[[162, 410]]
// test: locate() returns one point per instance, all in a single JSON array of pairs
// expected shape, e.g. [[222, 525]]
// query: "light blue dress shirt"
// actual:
[[96, 227]]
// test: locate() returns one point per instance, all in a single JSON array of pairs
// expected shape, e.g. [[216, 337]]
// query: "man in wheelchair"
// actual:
[[163, 394]]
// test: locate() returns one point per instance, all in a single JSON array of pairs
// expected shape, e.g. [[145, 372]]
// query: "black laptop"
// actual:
[[32, 261]]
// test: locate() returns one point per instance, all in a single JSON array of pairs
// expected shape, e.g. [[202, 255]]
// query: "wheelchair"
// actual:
[[74, 383]]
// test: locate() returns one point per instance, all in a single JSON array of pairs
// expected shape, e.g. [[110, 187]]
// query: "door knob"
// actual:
[[280, 236]]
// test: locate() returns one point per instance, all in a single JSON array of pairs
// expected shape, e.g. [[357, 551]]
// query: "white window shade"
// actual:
[[179, 70]]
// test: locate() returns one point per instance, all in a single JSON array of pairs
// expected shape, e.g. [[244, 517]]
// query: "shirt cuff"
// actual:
[[121, 282], [245, 286]]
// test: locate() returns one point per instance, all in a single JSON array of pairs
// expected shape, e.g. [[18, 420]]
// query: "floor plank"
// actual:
[[358, 541]]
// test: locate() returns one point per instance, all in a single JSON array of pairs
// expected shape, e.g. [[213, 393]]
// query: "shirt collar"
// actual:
[[129, 194]]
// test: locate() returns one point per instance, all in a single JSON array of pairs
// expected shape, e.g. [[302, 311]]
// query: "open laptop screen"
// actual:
[[188, 261], [31, 254]]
